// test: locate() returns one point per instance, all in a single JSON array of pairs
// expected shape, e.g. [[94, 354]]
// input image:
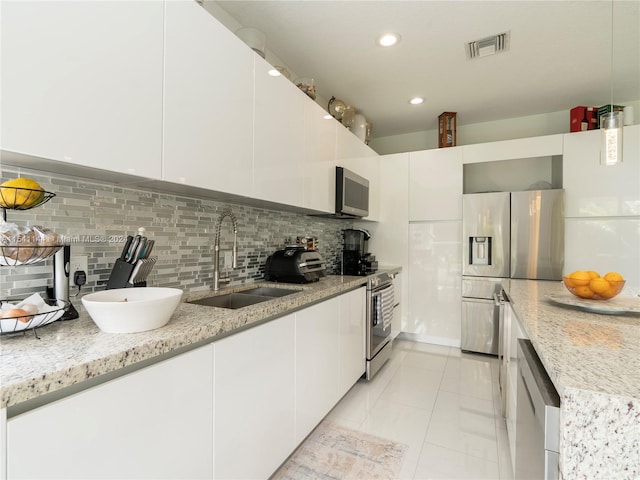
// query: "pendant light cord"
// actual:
[[611, 72]]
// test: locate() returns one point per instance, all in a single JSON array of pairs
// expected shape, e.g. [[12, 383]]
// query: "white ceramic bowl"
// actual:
[[129, 310]]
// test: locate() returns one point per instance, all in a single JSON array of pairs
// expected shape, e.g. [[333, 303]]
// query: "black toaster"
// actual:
[[295, 265]]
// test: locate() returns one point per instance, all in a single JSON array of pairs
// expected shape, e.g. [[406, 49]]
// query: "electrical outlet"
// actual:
[[228, 259], [76, 263]]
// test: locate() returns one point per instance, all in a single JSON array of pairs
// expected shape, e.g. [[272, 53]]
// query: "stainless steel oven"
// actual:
[[380, 303]]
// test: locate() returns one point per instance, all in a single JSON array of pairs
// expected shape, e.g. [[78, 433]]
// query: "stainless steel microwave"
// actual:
[[352, 194]]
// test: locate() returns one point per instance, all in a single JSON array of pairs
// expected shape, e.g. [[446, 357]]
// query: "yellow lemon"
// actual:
[[613, 277], [593, 274], [579, 278], [25, 193], [599, 285]]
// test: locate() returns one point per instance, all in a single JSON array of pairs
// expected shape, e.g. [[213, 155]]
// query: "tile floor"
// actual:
[[443, 404]]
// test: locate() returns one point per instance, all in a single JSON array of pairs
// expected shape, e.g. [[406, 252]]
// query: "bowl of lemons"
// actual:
[[588, 284], [22, 194]]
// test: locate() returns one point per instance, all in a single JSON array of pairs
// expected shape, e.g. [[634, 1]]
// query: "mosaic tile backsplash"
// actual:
[[95, 219]]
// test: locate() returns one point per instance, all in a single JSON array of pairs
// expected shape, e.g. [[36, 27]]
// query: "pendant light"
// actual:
[[611, 123]]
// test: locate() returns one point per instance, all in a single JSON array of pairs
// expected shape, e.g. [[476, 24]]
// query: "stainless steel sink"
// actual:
[[269, 291], [232, 300], [244, 298]]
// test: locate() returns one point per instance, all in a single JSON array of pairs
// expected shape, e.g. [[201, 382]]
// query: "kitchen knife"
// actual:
[[125, 250], [139, 248], [132, 249], [148, 248], [135, 273]]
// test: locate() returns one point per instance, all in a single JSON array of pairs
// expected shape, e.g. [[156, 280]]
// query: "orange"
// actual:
[[599, 285], [613, 277], [579, 278], [611, 292], [584, 291], [593, 274]]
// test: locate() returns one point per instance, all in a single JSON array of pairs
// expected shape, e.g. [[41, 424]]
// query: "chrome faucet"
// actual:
[[217, 280]]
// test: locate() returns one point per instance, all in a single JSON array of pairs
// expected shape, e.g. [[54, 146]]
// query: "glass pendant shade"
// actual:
[[611, 125]]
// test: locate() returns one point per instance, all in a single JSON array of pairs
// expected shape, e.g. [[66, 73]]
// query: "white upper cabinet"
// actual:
[[208, 102], [319, 161], [279, 138], [593, 190], [512, 149], [82, 83], [435, 184]]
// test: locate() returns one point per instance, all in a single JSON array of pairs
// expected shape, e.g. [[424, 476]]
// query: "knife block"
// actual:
[[120, 275]]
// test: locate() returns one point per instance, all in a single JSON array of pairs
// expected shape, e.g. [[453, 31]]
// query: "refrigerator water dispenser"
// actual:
[[480, 250]]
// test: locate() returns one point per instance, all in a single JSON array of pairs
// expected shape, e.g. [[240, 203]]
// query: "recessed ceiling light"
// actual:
[[416, 100], [274, 72], [388, 39], [327, 117]]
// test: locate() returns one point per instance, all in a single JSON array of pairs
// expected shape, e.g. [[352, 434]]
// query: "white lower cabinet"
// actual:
[[233, 409], [254, 400], [352, 338], [513, 331], [317, 364], [154, 423]]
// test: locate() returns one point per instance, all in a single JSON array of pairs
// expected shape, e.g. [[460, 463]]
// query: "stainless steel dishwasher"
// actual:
[[538, 419]]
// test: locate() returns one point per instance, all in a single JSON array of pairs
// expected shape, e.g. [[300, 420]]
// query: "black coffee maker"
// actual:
[[356, 260]]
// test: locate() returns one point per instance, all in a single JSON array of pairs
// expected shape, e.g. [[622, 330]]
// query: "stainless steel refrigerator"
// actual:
[[505, 235]]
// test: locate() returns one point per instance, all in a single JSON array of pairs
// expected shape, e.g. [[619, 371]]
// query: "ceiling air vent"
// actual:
[[488, 46]]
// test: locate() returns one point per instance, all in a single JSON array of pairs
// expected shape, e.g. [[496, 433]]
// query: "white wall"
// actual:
[[508, 129]]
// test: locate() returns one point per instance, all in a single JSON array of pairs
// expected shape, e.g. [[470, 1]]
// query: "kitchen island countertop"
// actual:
[[74, 351], [594, 363]]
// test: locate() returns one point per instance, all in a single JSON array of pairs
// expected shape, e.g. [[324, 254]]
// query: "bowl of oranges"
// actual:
[[590, 285]]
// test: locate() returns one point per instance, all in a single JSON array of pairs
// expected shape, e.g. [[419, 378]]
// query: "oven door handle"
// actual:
[[376, 297]]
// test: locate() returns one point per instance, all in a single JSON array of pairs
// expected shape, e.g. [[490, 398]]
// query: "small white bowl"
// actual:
[[129, 310]]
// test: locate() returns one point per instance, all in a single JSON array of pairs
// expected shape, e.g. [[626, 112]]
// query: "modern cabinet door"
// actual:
[[435, 184], [319, 161], [593, 190], [317, 364], [279, 138], [208, 102], [515, 332], [254, 400], [435, 269], [531, 147], [82, 83], [352, 338], [155, 423]]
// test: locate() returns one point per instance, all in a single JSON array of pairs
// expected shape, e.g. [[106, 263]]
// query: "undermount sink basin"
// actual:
[[244, 298], [269, 291], [232, 300]]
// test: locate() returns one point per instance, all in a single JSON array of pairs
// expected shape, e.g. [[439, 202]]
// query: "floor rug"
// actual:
[[334, 452]]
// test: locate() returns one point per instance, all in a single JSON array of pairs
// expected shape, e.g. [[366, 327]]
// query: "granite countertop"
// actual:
[[579, 349], [594, 362], [70, 352]]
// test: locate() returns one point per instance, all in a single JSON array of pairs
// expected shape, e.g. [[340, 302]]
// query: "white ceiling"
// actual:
[[559, 55]]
